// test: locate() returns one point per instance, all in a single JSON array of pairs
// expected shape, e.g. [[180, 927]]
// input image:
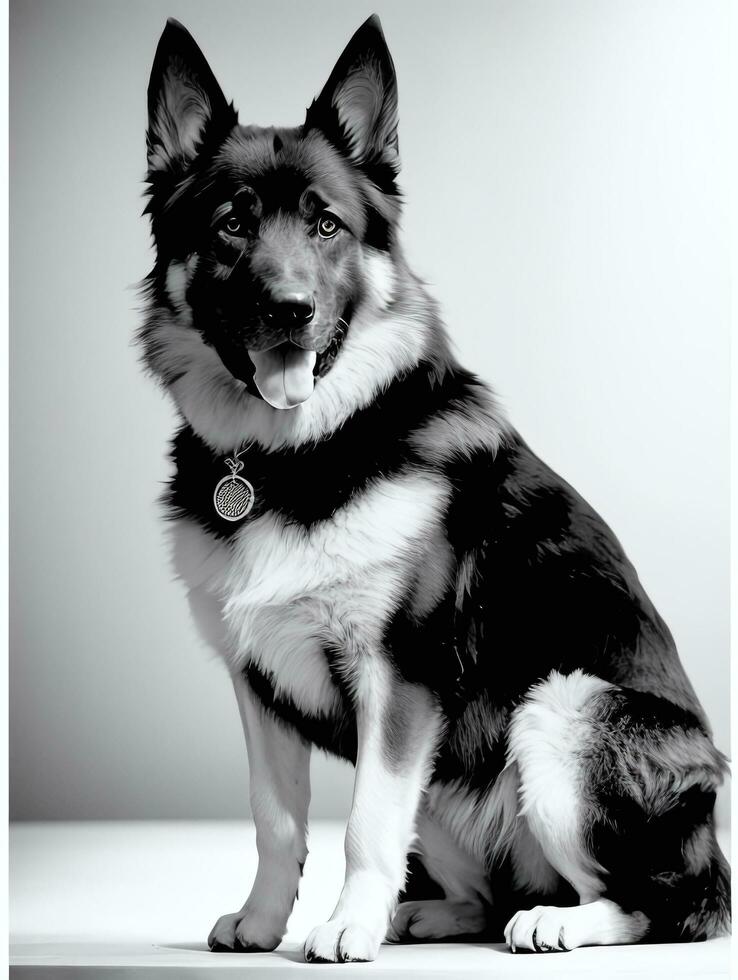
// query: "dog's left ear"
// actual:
[[357, 109], [186, 104]]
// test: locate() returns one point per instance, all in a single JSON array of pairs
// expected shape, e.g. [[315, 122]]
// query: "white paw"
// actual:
[[246, 931], [339, 941], [436, 919], [543, 929]]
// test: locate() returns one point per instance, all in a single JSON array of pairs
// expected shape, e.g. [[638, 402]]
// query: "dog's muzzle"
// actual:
[[283, 375]]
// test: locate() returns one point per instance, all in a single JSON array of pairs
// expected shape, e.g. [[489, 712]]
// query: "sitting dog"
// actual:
[[390, 573]]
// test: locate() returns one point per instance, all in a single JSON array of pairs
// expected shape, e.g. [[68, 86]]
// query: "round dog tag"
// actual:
[[233, 498]]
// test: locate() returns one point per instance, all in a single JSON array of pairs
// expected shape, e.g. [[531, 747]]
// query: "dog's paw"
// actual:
[[338, 941], [543, 929], [244, 932], [437, 919]]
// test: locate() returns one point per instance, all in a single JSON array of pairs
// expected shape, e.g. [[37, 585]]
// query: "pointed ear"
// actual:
[[357, 109], [185, 101]]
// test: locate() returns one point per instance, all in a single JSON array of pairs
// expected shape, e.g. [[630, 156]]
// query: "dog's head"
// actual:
[[270, 242]]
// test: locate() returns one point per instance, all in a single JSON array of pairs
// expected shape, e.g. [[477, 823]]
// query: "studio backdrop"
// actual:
[[565, 175]]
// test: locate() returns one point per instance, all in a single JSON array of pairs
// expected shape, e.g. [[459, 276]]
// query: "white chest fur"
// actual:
[[283, 593]]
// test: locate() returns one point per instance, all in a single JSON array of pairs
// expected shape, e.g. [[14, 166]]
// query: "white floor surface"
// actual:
[[118, 900]]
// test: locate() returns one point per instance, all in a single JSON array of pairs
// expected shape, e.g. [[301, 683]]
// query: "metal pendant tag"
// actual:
[[234, 495]]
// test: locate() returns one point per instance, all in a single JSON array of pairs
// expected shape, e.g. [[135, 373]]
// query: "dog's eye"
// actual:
[[328, 225], [233, 225]]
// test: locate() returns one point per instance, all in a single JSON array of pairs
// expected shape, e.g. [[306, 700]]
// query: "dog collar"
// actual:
[[234, 495]]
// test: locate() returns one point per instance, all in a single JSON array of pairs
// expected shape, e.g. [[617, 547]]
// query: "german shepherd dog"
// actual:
[[388, 571]]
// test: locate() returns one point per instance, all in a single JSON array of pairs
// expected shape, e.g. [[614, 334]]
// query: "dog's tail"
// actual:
[[708, 889]]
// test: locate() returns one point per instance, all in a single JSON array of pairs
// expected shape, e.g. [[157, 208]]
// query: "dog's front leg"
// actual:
[[398, 727], [279, 764]]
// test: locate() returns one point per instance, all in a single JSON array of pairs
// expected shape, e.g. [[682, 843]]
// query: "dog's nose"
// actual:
[[290, 310]]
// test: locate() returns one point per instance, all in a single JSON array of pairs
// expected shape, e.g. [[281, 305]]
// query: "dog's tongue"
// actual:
[[284, 375]]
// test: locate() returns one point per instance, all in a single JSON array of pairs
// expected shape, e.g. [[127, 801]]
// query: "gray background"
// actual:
[[565, 166]]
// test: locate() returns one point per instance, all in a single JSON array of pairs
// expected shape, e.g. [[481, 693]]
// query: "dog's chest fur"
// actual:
[[303, 603]]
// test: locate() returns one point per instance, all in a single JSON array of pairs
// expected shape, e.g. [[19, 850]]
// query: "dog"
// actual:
[[390, 573]]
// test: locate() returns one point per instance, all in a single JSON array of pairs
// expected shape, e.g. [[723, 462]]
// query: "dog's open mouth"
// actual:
[[284, 374]]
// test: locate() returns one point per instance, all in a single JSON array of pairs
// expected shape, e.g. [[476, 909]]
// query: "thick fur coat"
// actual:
[[412, 589]]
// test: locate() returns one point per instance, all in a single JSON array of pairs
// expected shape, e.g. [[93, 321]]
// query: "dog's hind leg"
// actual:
[[618, 786], [467, 894], [551, 929], [437, 919]]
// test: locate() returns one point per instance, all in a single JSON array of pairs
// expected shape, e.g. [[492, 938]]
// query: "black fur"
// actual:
[[641, 818], [563, 594], [310, 483]]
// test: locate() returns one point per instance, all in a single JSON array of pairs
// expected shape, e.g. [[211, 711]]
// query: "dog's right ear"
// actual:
[[186, 104]]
